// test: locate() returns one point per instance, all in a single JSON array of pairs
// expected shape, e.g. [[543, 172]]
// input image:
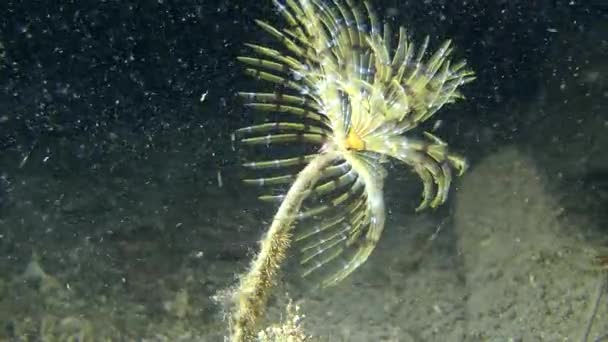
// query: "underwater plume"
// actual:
[[345, 97]]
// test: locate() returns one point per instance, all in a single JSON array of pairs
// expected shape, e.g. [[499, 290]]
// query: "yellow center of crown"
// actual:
[[354, 142]]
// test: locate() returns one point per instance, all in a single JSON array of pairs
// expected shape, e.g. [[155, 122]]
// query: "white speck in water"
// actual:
[[437, 125], [24, 160], [204, 96], [220, 183]]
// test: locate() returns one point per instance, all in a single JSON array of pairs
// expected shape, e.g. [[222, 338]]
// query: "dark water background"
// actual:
[[102, 73]]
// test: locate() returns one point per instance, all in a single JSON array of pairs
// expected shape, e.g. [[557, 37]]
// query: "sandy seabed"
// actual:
[[506, 264]]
